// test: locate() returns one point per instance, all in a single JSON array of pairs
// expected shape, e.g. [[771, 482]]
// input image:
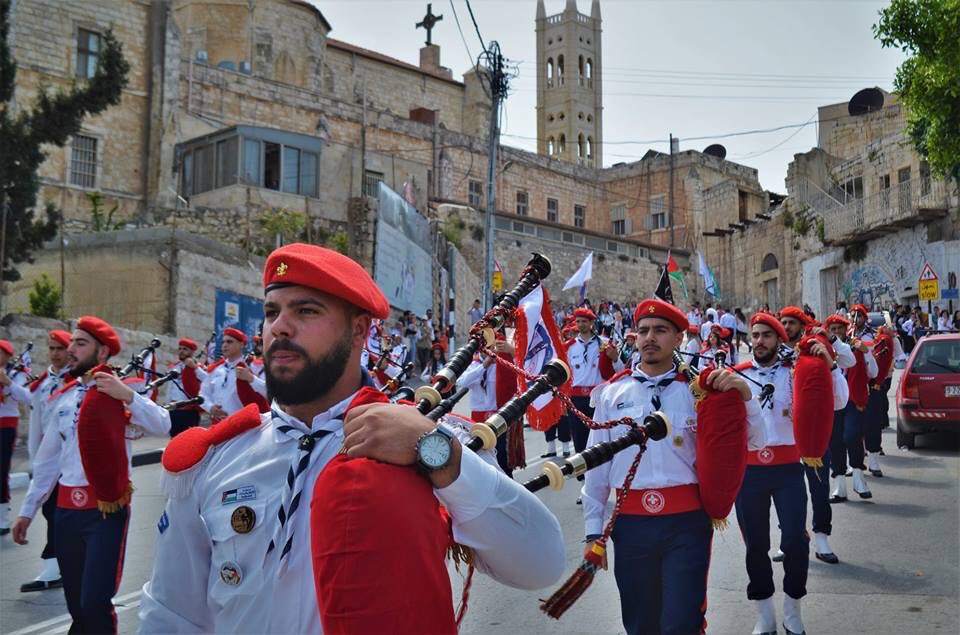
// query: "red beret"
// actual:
[[859, 308], [836, 319], [662, 310], [584, 312], [439, 346], [630, 335], [62, 337], [186, 342], [796, 313], [328, 271], [693, 329], [100, 331], [772, 322], [6, 347], [236, 334]]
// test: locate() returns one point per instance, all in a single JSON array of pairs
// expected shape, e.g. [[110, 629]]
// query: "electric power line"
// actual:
[[476, 26], [456, 19]]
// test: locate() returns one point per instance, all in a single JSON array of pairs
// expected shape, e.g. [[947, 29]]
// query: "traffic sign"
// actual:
[[927, 273], [929, 283]]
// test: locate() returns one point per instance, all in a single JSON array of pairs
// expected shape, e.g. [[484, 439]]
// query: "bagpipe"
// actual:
[[184, 403], [17, 365], [101, 423], [812, 399], [394, 383]]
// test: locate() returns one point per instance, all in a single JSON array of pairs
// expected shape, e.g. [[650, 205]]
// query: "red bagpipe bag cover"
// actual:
[[248, 395], [378, 541], [101, 427], [857, 381], [883, 351], [721, 449], [812, 402]]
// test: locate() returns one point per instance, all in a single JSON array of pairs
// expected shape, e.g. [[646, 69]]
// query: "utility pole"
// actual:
[[498, 89], [671, 191]]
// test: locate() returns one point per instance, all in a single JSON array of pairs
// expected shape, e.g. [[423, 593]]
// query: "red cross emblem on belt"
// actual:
[[765, 455], [653, 501]]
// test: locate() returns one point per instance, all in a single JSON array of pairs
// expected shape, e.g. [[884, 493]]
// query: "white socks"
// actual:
[[551, 447], [4, 516], [873, 461], [791, 615], [50, 570], [566, 447], [822, 544], [766, 617], [840, 489], [860, 485]]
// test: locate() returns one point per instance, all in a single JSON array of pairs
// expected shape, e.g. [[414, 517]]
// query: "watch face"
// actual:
[[434, 450]]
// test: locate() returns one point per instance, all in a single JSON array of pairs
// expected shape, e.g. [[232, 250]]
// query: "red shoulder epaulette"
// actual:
[[172, 364], [64, 388], [618, 376], [744, 366], [36, 382], [190, 446], [216, 364]]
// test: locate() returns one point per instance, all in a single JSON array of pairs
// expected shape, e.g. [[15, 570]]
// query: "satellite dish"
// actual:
[[716, 150], [865, 101]]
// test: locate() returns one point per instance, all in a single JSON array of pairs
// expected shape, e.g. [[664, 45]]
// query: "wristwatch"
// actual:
[[434, 449]]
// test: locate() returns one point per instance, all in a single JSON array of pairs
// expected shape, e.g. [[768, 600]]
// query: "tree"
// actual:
[[53, 119], [45, 298], [929, 80]]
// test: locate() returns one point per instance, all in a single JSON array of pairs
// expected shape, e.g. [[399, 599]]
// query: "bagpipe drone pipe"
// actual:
[[101, 426]]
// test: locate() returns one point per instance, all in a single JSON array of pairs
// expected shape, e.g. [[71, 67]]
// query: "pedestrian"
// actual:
[[438, 359], [475, 313], [41, 389], [186, 387], [944, 323], [13, 391], [729, 322], [662, 536], [874, 414], [424, 343], [742, 336], [235, 555], [90, 533]]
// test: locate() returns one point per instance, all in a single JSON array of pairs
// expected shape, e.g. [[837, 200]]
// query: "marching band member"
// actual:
[[854, 421], [628, 355], [229, 384], [186, 387], [775, 473], [876, 414], [714, 345], [662, 536], [89, 543], [13, 390], [693, 345], [40, 416], [234, 550]]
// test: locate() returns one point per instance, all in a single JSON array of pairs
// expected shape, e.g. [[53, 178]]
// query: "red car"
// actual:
[[928, 396]]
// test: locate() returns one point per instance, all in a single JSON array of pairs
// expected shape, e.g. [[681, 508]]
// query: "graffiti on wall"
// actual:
[[870, 286]]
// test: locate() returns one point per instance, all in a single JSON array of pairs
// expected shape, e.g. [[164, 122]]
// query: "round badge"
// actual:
[[678, 441], [765, 455], [78, 497], [653, 501], [230, 574], [243, 519]]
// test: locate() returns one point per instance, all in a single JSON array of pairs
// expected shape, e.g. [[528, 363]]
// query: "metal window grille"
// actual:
[[523, 208], [579, 215], [83, 162], [552, 207], [371, 183]]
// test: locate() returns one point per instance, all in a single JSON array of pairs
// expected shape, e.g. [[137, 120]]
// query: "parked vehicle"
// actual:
[[928, 395]]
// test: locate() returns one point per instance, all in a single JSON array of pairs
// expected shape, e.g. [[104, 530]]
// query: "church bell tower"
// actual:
[[569, 95]]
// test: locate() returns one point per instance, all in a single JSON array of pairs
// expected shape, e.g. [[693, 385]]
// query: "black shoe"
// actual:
[[566, 455], [548, 455], [865, 494], [41, 585], [778, 557], [789, 632], [4, 531], [877, 473], [881, 452], [829, 558], [579, 500], [838, 499], [849, 471]]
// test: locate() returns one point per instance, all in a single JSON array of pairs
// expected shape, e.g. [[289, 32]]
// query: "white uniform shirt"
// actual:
[[705, 329], [482, 383], [219, 387], [398, 354], [693, 317], [584, 358], [39, 407], [16, 392], [173, 388], [729, 321], [666, 463], [514, 536], [59, 451], [872, 369]]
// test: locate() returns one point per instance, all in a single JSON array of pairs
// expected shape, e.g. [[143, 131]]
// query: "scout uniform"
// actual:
[[221, 388], [186, 386], [11, 395]]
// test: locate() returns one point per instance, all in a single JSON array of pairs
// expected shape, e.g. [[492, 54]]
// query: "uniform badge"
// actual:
[[678, 441], [282, 269], [624, 404], [245, 493], [653, 501], [243, 519], [163, 523], [231, 574], [786, 412], [766, 456]]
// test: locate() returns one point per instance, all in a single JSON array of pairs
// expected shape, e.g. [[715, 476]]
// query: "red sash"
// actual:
[[80, 497], [774, 455], [662, 501]]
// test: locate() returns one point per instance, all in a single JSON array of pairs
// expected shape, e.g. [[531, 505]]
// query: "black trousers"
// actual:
[[49, 511], [8, 436]]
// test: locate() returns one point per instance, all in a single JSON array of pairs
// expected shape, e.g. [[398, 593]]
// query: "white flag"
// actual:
[[583, 274], [709, 282]]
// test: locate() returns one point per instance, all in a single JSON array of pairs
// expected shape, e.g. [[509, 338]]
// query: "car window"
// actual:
[[937, 357]]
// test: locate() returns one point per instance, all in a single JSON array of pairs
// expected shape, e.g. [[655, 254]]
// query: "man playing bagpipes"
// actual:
[[85, 449], [40, 417], [323, 513], [876, 415], [187, 386], [662, 535], [14, 379], [796, 323], [491, 386], [775, 473], [230, 384]]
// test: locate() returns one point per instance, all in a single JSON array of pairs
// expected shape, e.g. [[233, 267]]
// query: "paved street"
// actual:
[[899, 571]]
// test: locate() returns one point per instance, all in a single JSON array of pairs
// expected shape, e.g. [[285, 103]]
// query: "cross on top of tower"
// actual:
[[428, 22]]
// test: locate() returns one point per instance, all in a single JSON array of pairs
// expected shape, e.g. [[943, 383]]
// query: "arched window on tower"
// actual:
[[589, 72], [549, 72], [769, 263], [580, 71], [589, 147], [550, 146], [562, 144], [560, 70], [581, 149]]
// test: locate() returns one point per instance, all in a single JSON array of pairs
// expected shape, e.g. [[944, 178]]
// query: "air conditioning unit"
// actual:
[[245, 68], [202, 56]]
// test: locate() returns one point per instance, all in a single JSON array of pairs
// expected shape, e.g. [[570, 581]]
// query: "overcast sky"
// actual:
[[693, 68]]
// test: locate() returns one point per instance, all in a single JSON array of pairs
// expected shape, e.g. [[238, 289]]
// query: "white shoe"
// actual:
[[792, 620], [5, 518], [860, 485], [839, 493], [766, 617]]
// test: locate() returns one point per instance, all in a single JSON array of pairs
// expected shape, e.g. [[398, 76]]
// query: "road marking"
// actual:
[[40, 626], [117, 610]]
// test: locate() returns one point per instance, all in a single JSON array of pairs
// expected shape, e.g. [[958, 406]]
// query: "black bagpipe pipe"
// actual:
[[159, 381], [720, 361], [136, 362], [403, 393], [428, 397], [393, 385], [176, 405], [17, 366], [655, 426], [446, 404]]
